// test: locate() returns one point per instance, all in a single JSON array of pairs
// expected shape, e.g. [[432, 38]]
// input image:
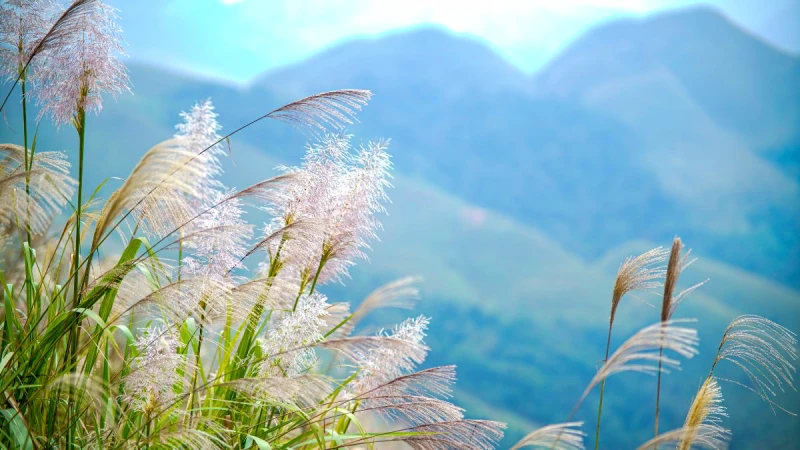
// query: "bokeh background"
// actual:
[[537, 144]]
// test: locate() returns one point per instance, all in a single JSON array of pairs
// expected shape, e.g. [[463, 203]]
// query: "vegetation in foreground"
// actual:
[[175, 342]]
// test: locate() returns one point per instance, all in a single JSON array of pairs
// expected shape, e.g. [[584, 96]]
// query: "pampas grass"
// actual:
[[203, 332]]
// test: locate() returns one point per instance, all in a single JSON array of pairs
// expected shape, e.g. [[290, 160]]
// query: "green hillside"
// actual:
[[503, 203]]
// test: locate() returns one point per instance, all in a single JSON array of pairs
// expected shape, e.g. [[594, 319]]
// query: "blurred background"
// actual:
[[537, 144]]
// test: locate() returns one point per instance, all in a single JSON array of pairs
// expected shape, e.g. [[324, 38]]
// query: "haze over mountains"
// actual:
[[517, 196], [680, 123]]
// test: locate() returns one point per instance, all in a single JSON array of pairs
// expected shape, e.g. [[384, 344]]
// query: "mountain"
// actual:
[[517, 197], [678, 123]]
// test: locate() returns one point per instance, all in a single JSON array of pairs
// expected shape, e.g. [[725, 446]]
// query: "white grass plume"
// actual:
[[562, 436], [705, 414], [49, 186], [640, 273], [461, 434], [328, 110], [765, 351], [301, 390], [643, 353], [155, 191]]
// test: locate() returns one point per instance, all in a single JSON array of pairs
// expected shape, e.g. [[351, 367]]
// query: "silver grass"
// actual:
[[433, 382], [150, 384], [178, 300], [164, 176], [199, 134], [216, 254], [270, 292], [401, 293], [23, 24], [398, 294], [705, 437], [460, 434], [289, 341], [311, 198], [49, 188], [640, 273], [266, 191], [337, 313], [79, 62], [301, 390], [405, 354], [413, 410], [362, 199], [338, 191], [562, 436], [643, 351], [384, 363], [86, 391], [706, 415], [328, 110], [678, 262], [200, 434], [192, 438], [765, 351]]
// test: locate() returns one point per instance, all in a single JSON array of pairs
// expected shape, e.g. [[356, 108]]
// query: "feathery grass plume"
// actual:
[[199, 133], [288, 342], [337, 319], [678, 262], [355, 222], [403, 355], [279, 296], [317, 113], [300, 390], [705, 438], [183, 438], [433, 382], [310, 197], [412, 410], [23, 24], [706, 412], [765, 351], [341, 193], [562, 436], [82, 63], [151, 383], [397, 294], [379, 365], [401, 293], [217, 254], [640, 273], [461, 434], [49, 187], [166, 172], [640, 353]]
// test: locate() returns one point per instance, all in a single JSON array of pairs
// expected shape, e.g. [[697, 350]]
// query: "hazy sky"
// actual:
[[239, 39]]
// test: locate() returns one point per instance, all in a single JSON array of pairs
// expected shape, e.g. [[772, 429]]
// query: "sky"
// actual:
[[236, 40]]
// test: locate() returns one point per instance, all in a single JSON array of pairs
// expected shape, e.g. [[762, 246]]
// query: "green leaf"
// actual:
[[18, 430], [262, 444], [4, 361], [92, 315]]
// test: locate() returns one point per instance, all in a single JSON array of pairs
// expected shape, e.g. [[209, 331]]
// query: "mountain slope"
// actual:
[[517, 209], [679, 123]]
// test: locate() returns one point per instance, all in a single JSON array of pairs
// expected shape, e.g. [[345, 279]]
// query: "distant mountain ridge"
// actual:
[[517, 202], [695, 119]]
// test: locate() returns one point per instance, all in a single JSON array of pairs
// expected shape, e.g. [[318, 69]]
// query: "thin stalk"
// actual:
[[28, 164], [602, 390], [80, 125], [658, 389]]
